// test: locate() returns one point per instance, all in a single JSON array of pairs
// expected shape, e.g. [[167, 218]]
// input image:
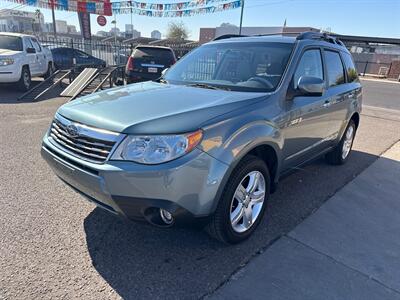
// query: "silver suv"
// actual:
[[208, 142]]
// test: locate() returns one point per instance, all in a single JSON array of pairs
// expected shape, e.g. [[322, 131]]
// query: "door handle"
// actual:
[[326, 104]]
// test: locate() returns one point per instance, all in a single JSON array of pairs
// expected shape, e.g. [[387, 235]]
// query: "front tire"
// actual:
[[24, 82], [243, 202], [340, 154]]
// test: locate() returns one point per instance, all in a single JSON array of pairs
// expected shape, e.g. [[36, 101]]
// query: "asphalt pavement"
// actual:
[[383, 94], [54, 244]]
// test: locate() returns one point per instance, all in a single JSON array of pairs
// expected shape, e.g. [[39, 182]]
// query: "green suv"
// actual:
[[208, 141]]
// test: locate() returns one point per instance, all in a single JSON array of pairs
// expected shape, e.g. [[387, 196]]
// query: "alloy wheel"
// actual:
[[27, 80], [247, 201], [348, 142]]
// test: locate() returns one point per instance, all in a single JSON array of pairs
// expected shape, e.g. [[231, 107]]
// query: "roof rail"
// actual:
[[311, 35], [228, 36]]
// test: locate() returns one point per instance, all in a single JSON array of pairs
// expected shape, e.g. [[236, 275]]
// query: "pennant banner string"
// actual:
[[107, 8]]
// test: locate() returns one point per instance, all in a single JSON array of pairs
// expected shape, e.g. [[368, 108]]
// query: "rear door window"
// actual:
[[154, 56], [351, 71], [334, 68]]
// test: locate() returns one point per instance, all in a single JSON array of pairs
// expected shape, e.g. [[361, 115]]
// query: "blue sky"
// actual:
[[353, 17]]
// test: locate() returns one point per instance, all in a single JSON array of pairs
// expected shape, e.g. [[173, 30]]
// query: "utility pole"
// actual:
[[131, 21], [241, 17], [115, 29], [54, 20]]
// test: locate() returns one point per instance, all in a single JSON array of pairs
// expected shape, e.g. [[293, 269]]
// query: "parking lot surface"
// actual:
[[55, 244]]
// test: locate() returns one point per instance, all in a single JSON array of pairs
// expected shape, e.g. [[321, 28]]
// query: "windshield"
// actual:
[[11, 43], [239, 66]]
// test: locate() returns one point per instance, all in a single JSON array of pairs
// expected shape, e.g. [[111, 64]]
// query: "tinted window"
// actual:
[[158, 55], [352, 74], [334, 67], [237, 66], [82, 54], [310, 65], [11, 43]]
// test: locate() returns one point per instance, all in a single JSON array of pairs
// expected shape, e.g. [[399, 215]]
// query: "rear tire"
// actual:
[[24, 82], [243, 202], [340, 154]]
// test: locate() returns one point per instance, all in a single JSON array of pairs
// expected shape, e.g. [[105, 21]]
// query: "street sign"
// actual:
[[101, 20]]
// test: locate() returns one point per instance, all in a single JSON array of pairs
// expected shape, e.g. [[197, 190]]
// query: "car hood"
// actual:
[[155, 108], [7, 52]]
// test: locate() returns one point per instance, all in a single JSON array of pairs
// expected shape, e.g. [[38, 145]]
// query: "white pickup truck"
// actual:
[[21, 58]]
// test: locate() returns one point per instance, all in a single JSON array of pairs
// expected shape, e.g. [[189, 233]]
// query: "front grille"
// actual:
[[87, 142]]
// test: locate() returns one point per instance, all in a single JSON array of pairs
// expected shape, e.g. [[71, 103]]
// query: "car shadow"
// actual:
[[138, 260]]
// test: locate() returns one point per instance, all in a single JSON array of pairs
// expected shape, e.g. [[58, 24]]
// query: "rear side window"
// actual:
[[158, 55], [62, 53], [334, 67], [310, 65], [352, 74], [81, 54]]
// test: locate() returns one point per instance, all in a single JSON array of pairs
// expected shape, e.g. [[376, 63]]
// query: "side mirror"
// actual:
[[310, 86], [30, 50], [164, 71]]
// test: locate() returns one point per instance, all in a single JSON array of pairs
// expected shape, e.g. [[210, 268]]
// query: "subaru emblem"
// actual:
[[72, 130]]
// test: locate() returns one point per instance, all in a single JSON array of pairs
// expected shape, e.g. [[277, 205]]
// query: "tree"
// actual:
[[177, 31], [228, 25], [38, 14]]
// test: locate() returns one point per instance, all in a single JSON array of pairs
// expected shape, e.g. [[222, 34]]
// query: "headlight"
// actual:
[[6, 61], [156, 149]]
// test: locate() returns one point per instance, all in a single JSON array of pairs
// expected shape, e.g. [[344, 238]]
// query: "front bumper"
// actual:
[[10, 74], [187, 187]]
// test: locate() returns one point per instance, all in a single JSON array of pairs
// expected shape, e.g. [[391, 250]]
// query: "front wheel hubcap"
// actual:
[[348, 142], [247, 202], [26, 79]]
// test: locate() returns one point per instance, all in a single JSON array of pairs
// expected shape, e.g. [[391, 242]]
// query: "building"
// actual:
[[208, 34], [72, 29], [155, 34], [134, 34], [61, 26], [21, 21], [115, 31], [129, 28], [103, 33]]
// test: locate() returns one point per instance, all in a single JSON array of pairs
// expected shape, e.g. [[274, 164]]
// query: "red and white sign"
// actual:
[[101, 20]]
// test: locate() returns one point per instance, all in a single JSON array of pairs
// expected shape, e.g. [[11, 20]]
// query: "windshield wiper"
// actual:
[[208, 86]]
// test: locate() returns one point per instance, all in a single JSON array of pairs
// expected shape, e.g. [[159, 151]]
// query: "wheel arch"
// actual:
[[356, 118], [267, 151]]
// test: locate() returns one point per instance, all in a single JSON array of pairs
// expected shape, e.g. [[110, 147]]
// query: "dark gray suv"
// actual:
[[209, 140]]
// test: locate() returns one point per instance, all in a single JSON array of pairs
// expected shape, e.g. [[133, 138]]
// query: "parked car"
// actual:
[[211, 139], [69, 58], [147, 63], [21, 58]]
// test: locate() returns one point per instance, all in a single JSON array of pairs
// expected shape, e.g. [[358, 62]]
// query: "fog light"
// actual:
[[166, 216]]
